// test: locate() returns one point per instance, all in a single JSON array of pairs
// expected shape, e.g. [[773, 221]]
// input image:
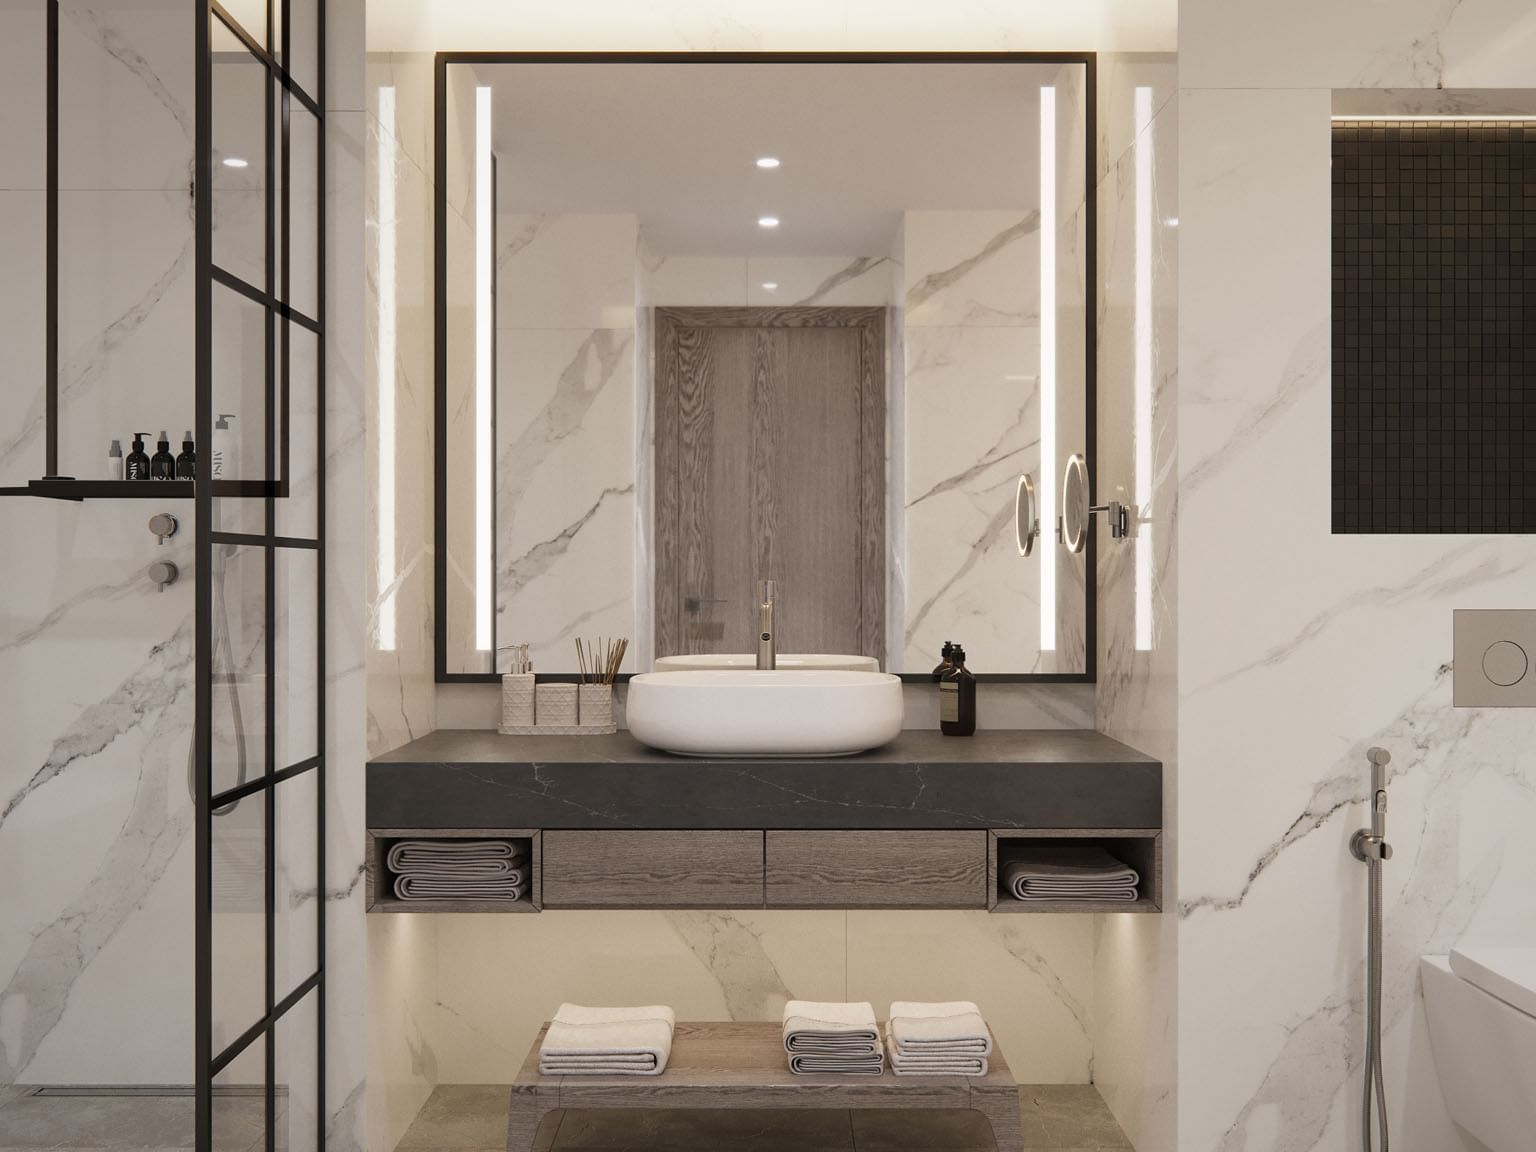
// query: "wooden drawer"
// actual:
[[600, 869], [874, 869]]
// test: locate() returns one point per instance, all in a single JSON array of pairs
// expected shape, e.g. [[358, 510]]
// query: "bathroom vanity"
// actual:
[[924, 822]]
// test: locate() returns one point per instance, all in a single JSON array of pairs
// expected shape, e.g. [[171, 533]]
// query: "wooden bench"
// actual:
[[743, 1065]]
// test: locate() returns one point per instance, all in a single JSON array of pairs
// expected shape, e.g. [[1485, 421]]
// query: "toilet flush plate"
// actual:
[[1495, 658]]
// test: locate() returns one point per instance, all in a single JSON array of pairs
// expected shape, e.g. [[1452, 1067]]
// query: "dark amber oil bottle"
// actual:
[[957, 698]]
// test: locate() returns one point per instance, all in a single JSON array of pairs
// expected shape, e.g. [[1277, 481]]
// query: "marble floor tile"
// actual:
[[1073, 1115], [126, 1123], [898, 1130], [673, 1130], [461, 1116], [117, 1122]]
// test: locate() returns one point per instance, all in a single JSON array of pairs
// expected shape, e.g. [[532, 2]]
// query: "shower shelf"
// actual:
[[140, 489]]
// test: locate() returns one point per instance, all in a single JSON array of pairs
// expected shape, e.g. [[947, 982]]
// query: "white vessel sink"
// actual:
[[736, 661], [784, 712]]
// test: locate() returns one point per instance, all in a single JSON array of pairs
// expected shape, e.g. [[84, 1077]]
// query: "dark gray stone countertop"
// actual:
[[995, 779]]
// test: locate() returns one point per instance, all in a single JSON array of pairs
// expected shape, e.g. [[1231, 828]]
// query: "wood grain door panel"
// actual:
[[770, 463], [875, 869], [652, 869]]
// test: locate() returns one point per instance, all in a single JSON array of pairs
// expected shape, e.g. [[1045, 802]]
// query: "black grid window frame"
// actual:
[[1089, 61], [1433, 417], [281, 93]]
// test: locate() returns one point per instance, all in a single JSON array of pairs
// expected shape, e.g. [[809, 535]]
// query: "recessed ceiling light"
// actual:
[[236, 162], [1172, 221], [767, 221], [767, 161], [769, 286]]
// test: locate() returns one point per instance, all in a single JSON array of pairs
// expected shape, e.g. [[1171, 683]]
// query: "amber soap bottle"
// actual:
[[957, 698]]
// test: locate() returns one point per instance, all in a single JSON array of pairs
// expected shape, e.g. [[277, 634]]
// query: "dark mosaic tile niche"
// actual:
[[1434, 326]]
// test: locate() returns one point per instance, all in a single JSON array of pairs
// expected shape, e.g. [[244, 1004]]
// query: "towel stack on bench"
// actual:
[[458, 870], [944, 1039], [832, 1038], [583, 1041]]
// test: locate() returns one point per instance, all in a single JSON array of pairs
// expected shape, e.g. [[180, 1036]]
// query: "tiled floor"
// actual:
[[128, 1123], [1057, 1118]]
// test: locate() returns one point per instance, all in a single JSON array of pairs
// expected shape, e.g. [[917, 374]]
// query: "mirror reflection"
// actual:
[[710, 324]]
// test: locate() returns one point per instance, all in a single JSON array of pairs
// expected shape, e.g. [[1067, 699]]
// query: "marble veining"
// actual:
[[943, 280]]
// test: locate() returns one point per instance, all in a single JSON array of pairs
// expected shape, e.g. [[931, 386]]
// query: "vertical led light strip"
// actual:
[[1143, 368], [483, 333], [1048, 366], [386, 368]]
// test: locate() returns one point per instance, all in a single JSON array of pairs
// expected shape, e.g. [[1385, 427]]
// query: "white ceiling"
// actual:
[[675, 144]]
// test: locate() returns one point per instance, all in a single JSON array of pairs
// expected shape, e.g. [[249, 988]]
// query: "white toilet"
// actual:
[[1481, 1004]]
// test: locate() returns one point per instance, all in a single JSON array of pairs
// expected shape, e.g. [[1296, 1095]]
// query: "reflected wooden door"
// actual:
[[770, 464]]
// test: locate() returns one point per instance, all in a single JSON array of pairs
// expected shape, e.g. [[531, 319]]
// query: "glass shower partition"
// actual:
[[259, 187]]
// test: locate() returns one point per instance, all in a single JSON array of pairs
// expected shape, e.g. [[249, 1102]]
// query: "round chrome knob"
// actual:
[[163, 574]]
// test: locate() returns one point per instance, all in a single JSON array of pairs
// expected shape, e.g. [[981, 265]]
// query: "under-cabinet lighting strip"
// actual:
[[1048, 365], [483, 369], [386, 368]]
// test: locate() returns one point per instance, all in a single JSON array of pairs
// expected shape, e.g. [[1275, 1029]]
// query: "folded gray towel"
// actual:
[[415, 887], [455, 857], [1063, 872]]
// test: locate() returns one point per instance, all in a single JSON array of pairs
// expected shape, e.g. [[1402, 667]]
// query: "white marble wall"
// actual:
[[1032, 976], [1299, 649], [95, 664], [972, 349], [1135, 1035], [565, 428], [459, 467], [346, 585], [401, 696]]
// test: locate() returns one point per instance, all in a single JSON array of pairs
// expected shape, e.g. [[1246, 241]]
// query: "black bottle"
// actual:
[[943, 665], [957, 698], [162, 465], [136, 467], [186, 463]]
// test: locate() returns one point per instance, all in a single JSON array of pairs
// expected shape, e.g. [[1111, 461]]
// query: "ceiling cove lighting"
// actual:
[[767, 161], [1047, 492], [1142, 375], [767, 221], [236, 162], [386, 355], [484, 465]]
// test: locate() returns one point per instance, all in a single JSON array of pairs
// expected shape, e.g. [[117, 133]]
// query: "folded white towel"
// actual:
[[414, 886], [817, 1064], [937, 1064], [1069, 872], [842, 1029], [489, 857], [945, 1028], [583, 1041], [832, 1038]]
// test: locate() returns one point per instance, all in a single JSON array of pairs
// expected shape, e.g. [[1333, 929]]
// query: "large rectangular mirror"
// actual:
[[703, 323]]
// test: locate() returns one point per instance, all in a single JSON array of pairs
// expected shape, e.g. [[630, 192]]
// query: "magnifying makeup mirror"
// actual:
[[1026, 516], [1074, 504]]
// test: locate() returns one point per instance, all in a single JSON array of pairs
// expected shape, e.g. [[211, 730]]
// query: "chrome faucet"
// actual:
[[766, 658]]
